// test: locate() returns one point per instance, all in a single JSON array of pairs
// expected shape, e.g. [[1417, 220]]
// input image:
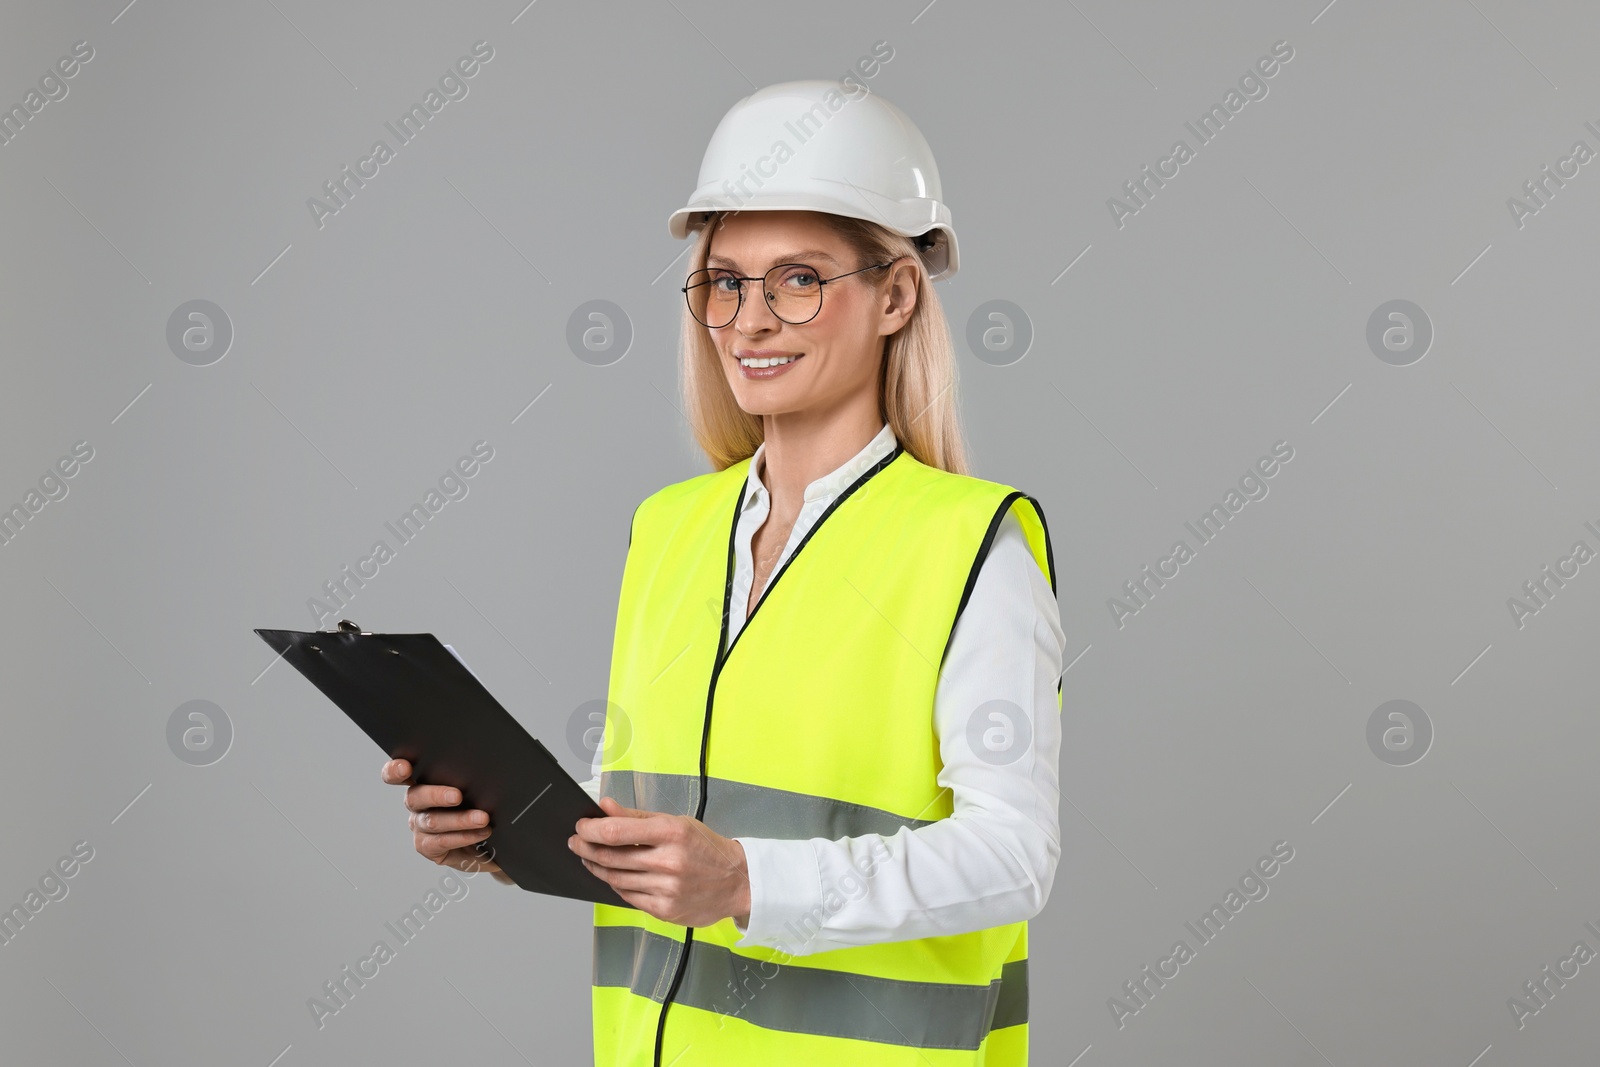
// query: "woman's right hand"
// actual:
[[440, 832]]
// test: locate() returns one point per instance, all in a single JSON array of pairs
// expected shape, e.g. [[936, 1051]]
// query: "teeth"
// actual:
[[758, 363]]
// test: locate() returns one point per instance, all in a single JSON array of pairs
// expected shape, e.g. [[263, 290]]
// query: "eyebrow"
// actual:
[[787, 257]]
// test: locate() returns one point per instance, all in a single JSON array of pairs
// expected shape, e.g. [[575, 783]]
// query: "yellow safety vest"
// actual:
[[817, 721]]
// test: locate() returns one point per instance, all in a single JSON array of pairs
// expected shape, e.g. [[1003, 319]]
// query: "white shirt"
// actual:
[[993, 860]]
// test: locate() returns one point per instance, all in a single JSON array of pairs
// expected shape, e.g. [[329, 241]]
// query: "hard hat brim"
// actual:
[[908, 218]]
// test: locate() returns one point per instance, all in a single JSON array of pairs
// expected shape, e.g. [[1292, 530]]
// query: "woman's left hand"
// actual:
[[673, 867]]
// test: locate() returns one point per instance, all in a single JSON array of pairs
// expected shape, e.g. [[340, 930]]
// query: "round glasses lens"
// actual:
[[713, 296], [794, 292]]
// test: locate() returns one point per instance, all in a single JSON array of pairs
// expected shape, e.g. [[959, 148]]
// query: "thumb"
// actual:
[[611, 806]]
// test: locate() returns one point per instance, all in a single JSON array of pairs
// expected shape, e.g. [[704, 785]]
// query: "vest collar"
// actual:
[[733, 527], [831, 484]]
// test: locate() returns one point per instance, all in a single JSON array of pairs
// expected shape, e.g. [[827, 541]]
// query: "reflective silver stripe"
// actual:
[[739, 809], [809, 1000], [642, 963]]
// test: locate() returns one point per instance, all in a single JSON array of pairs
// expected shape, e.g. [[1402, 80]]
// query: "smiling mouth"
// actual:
[[757, 364]]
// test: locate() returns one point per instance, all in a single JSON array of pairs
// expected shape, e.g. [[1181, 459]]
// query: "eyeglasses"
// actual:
[[793, 292]]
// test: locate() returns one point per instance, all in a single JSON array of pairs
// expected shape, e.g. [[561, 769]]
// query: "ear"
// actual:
[[902, 293]]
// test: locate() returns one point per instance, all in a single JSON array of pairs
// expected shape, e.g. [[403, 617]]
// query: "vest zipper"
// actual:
[[716, 671]]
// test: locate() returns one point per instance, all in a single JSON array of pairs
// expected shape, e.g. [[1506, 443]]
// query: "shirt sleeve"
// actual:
[[993, 860]]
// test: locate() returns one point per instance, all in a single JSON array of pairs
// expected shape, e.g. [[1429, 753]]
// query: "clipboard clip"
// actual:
[[345, 626]]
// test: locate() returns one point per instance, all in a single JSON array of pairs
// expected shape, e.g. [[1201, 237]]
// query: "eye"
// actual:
[[798, 279]]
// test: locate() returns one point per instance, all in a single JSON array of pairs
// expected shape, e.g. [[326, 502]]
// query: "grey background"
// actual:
[[368, 355]]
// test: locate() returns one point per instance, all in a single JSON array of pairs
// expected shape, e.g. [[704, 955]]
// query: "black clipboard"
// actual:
[[419, 702]]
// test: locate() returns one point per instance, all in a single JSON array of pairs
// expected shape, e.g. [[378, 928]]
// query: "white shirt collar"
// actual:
[[832, 484]]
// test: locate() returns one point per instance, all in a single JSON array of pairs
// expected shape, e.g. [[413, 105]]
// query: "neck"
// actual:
[[799, 451]]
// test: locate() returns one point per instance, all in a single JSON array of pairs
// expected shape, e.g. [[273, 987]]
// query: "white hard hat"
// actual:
[[822, 146]]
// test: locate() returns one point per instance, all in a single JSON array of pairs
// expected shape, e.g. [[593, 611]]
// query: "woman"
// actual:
[[838, 655]]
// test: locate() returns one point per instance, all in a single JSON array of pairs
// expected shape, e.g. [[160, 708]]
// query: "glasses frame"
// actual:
[[821, 281]]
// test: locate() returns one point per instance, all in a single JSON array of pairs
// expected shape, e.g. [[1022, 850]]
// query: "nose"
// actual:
[[754, 314]]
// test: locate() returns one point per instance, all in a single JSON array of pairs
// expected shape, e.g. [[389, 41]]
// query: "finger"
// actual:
[[633, 882], [397, 772], [436, 820], [471, 861], [599, 870], [636, 883], [654, 830], [477, 857], [617, 857], [438, 845], [612, 806], [421, 797]]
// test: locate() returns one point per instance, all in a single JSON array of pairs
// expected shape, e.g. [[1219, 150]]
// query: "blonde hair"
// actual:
[[916, 389]]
